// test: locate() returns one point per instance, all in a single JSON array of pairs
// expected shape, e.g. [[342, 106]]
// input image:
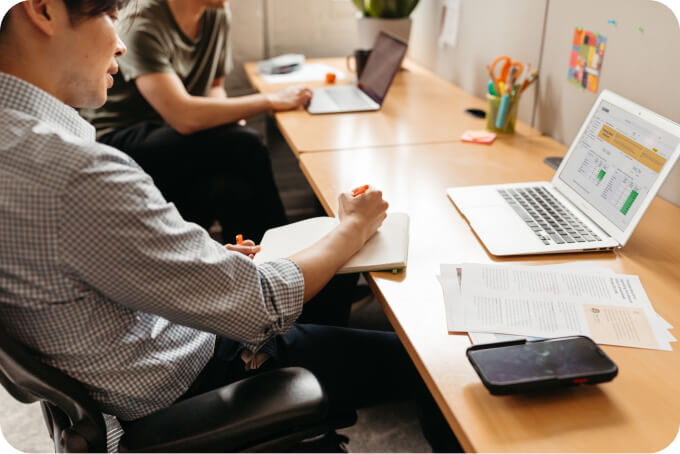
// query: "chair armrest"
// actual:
[[234, 417]]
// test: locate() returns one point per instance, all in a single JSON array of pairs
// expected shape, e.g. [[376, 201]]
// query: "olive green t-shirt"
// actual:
[[156, 44]]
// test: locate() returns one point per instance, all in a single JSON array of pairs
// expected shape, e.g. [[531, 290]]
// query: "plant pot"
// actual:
[[369, 27]]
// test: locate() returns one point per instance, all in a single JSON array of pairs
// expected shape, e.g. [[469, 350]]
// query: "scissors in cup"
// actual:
[[505, 70]]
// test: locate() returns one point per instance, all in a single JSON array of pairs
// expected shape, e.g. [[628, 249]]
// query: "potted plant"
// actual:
[[383, 15]]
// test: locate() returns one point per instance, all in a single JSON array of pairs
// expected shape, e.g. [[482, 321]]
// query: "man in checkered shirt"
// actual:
[[101, 278]]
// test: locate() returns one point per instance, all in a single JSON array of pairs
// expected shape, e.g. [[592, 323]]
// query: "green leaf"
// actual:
[[359, 4], [387, 8]]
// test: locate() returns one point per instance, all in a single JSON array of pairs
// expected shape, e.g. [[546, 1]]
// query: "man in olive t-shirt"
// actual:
[[168, 109]]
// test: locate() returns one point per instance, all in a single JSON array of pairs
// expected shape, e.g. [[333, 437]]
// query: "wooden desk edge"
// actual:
[[413, 354]]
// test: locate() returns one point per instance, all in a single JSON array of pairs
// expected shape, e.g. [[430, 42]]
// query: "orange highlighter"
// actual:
[[360, 190]]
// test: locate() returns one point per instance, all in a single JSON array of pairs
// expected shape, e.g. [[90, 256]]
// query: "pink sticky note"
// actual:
[[484, 137]]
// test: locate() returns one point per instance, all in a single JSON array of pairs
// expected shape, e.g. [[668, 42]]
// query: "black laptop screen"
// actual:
[[382, 65]]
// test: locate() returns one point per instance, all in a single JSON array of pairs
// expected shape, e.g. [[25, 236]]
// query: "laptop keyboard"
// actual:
[[551, 221], [347, 98]]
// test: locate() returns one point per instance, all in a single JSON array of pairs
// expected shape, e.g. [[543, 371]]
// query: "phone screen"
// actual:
[[575, 356]]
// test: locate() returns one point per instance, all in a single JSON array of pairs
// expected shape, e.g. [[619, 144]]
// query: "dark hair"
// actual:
[[81, 9]]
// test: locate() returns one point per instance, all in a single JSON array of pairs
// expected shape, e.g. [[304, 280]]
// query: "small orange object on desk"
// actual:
[[330, 78]]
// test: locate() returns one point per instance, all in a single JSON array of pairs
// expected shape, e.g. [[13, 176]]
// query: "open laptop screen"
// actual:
[[616, 162], [382, 65]]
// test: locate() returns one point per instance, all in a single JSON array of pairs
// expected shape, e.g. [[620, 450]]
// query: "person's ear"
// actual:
[[43, 14]]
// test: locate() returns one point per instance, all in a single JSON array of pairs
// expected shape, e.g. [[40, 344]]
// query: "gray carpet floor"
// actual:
[[385, 428]]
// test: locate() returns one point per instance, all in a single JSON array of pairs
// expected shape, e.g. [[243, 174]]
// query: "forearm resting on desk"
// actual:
[[188, 114], [360, 218]]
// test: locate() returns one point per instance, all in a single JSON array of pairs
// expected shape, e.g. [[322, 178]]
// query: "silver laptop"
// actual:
[[381, 67], [610, 175]]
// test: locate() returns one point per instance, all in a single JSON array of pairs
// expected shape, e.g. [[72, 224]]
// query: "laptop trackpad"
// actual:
[[501, 230]]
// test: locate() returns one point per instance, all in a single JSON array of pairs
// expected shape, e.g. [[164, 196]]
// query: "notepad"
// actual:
[[386, 250]]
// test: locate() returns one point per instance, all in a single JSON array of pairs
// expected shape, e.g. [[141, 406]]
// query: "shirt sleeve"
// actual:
[[121, 238], [146, 52]]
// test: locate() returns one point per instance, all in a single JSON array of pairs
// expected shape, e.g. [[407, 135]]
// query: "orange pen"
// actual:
[[239, 238], [360, 190]]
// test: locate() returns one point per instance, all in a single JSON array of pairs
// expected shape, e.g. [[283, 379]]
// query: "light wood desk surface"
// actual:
[[419, 108], [638, 412]]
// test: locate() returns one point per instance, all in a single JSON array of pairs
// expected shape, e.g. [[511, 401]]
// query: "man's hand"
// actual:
[[247, 247], [289, 98], [360, 218], [365, 213]]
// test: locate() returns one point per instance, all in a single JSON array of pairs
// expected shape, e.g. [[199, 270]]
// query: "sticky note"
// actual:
[[478, 136], [585, 59]]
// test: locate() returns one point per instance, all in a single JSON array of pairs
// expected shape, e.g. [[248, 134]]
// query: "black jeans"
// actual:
[[223, 174]]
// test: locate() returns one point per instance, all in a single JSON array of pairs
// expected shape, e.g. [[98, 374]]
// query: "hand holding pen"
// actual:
[[245, 247]]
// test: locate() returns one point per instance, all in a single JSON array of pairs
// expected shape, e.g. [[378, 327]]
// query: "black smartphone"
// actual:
[[523, 366]]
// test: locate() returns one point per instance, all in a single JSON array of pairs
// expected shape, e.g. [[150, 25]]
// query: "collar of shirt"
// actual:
[[17, 94]]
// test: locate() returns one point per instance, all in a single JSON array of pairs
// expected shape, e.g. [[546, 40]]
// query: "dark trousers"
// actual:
[[223, 174], [357, 368]]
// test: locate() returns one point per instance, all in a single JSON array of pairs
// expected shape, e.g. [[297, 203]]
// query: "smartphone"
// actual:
[[523, 366]]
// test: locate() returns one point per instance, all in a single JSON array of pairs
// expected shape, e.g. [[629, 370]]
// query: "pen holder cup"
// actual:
[[507, 109]]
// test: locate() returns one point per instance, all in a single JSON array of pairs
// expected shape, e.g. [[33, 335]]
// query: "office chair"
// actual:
[[273, 411]]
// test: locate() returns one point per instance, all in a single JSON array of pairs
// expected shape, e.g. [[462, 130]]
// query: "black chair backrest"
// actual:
[[74, 420]]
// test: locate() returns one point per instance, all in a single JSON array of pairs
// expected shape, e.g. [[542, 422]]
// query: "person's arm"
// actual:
[[360, 218], [120, 238], [217, 90], [188, 114]]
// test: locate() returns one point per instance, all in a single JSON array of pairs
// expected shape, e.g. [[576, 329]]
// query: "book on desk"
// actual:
[[386, 250]]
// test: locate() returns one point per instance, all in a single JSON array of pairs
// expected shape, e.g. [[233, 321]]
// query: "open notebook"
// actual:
[[386, 250]]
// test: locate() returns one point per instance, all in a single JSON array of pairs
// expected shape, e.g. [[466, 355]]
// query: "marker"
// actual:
[[360, 190], [502, 111], [492, 88], [493, 80], [529, 82], [239, 238]]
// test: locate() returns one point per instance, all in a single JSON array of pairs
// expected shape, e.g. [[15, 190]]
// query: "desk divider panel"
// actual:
[[641, 65], [640, 59]]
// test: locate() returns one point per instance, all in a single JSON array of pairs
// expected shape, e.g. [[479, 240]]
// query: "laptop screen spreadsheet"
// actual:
[[616, 162]]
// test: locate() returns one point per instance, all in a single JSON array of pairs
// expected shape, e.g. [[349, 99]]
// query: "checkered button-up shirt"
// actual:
[[102, 278]]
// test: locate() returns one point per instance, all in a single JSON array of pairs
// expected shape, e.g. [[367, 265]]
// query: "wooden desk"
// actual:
[[419, 108], [639, 411]]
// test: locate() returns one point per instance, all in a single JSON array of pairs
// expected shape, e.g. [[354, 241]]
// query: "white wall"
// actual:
[[266, 28], [247, 34], [487, 29], [316, 28]]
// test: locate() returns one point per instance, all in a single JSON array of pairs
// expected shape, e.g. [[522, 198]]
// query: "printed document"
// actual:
[[551, 302]]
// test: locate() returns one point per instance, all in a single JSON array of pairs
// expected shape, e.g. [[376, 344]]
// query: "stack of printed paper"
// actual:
[[552, 301]]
